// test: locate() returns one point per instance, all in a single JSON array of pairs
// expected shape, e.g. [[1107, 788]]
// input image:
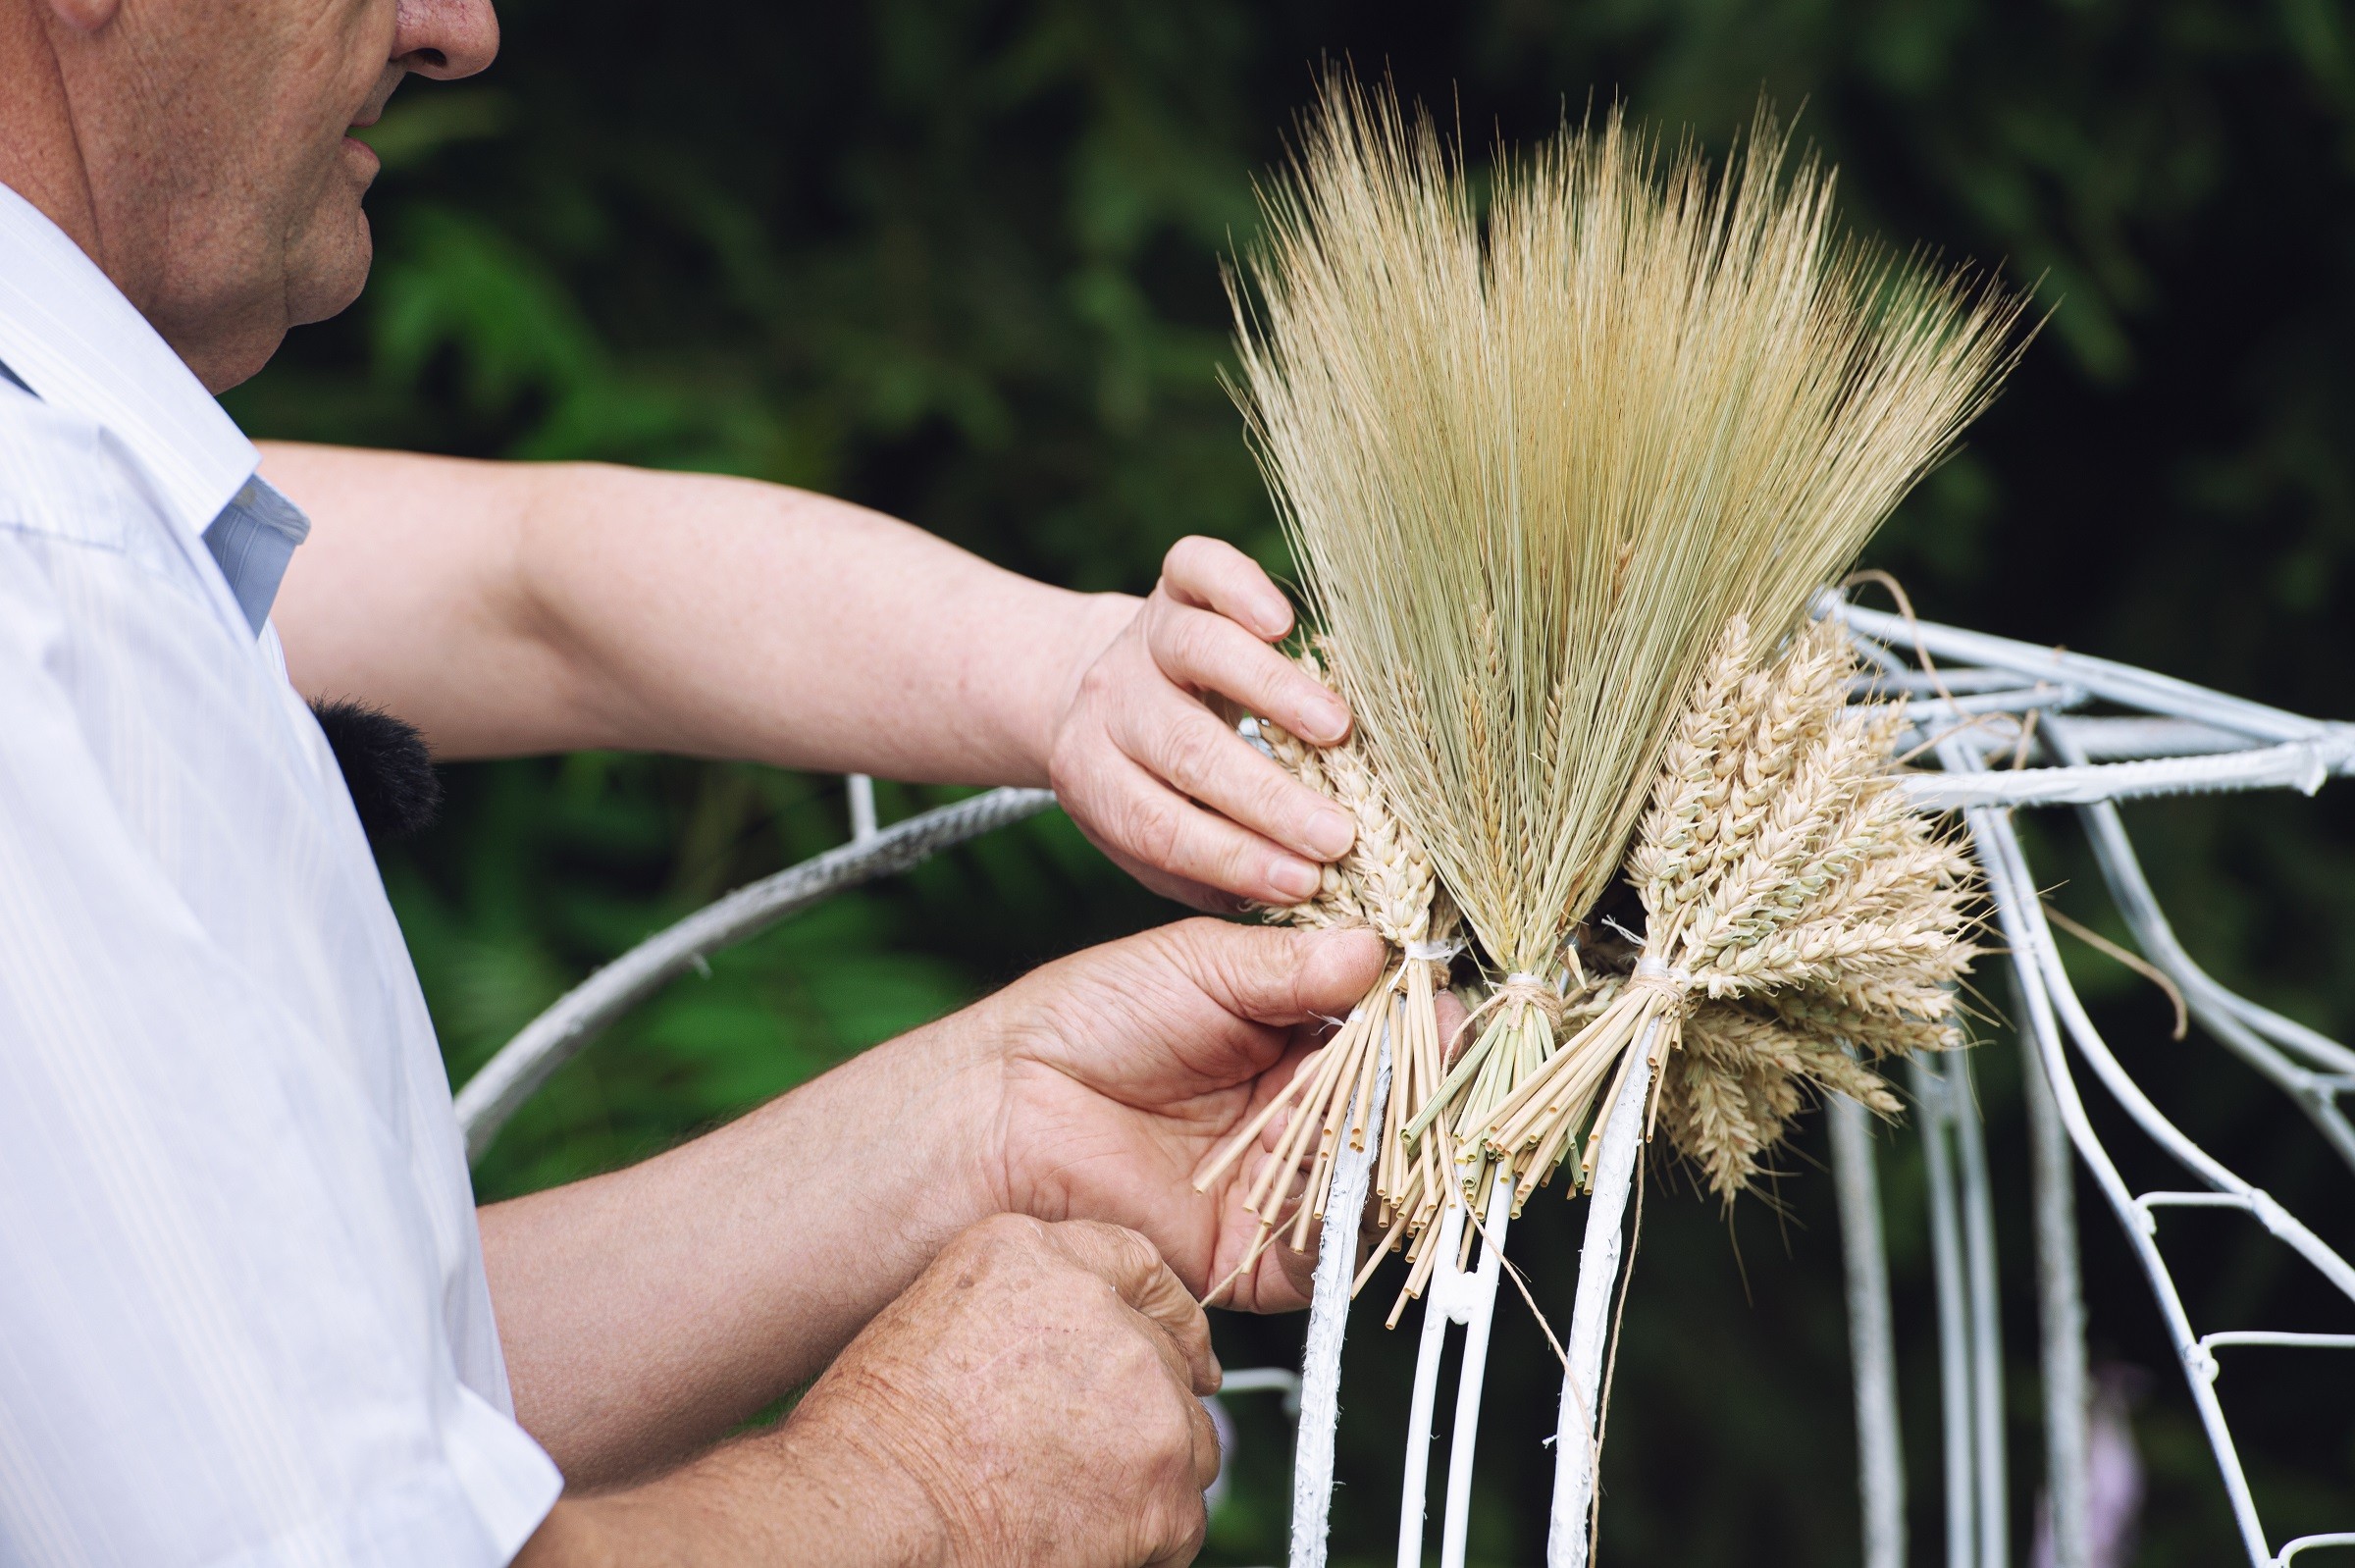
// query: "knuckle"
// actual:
[[1164, 1431], [1239, 859], [1174, 1522], [1153, 827], [1278, 798], [1005, 1232], [1198, 1529], [1099, 685], [1190, 639], [1189, 556], [1134, 1254], [1176, 1515], [1192, 752]]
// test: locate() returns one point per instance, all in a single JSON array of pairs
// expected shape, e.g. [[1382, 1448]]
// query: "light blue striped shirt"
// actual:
[[243, 1319]]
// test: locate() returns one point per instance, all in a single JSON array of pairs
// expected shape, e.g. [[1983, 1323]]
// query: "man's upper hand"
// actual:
[[1164, 786], [1128, 1067]]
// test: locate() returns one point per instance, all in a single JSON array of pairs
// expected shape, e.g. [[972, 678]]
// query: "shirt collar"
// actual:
[[70, 335]]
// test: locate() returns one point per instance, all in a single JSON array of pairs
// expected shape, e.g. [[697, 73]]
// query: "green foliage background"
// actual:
[[959, 259]]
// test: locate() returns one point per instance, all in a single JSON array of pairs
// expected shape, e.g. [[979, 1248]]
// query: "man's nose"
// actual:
[[445, 38]]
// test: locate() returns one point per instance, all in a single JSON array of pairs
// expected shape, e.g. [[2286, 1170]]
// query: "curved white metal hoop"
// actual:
[[557, 1035], [2052, 1009]]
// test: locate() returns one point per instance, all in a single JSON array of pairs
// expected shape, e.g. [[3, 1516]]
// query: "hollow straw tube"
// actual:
[[1576, 1433], [1327, 1321]]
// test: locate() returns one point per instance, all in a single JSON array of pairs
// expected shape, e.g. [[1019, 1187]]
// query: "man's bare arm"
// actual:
[[648, 1312], [509, 608]]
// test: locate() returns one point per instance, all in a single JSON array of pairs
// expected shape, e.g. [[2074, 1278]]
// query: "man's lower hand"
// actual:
[[1029, 1402]]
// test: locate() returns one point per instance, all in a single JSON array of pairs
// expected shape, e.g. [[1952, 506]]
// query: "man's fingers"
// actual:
[[1212, 574], [1130, 1265], [1145, 818], [1183, 742], [1271, 975], [1176, 889], [1208, 652]]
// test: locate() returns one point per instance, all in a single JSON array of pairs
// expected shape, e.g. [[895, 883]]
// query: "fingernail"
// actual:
[[1295, 880], [1330, 833], [1328, 720]]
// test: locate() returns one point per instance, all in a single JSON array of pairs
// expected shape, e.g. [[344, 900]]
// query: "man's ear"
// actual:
[[85, 16]]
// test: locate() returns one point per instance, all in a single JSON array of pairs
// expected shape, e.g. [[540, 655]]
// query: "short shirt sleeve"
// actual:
[[228, 1277]]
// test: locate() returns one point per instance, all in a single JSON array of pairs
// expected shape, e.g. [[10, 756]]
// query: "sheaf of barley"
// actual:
[[1534, 457]]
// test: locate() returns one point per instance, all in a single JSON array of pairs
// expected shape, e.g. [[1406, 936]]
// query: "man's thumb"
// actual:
[[1271, 975]]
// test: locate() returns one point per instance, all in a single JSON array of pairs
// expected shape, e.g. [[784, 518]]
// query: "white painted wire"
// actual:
[[2052, 1006], [556, 1036], [2123, 684], [2061, 1324], [2312, 1067], [1438, 1298], [1328, 1322], [1991, 1476], [2260, 1037], [1578, 1428], [1871, 1334], [1958, 1450], [1475, 1308], [2302, 765], [860, 790]]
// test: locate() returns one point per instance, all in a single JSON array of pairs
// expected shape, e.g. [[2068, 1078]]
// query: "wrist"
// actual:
[[1095, 620], [963, 1164], [855, 1491], [798, 1493], [930, 1164]]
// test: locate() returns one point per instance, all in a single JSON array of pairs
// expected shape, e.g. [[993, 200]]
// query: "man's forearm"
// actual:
[[779, 1499], [510, 609], [646, 1313]]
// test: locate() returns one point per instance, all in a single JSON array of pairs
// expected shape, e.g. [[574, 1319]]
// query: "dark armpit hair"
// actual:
[[386, 766]]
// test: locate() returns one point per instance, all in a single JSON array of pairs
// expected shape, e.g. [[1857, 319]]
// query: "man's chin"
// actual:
[[326, 283], [320, 281]]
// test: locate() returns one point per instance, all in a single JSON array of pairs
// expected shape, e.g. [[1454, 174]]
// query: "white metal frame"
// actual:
[[2173, 738], [2185, 738]]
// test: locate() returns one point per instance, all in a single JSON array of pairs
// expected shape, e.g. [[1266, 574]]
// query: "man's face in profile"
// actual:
[[227, 183]]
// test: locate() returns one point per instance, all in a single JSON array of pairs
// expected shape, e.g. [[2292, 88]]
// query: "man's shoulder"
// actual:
[[65, 477]]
